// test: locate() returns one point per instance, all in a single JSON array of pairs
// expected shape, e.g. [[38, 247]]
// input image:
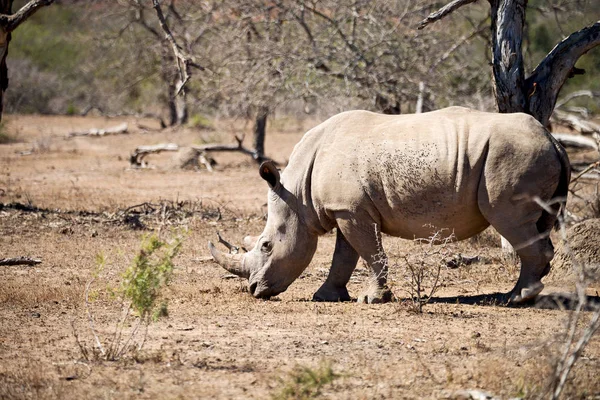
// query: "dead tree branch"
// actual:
[[11, 22], [184, 61], [464, 39], [576, 94], [115, 130], [444, 11], [589, 168], [228, 147], [20, 261], [547, 79], [137, 157]]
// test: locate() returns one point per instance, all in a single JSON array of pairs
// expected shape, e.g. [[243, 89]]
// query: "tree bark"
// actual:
[[508, 19]]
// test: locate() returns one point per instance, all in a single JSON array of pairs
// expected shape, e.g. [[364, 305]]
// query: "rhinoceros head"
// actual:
[[282, 251]]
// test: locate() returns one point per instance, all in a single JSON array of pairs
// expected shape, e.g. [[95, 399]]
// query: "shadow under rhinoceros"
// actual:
[[552, 301]]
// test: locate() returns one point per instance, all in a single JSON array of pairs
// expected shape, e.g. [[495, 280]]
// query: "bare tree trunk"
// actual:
[[260, 130], [176, 102], [171, 105], [177, 105], [508, 19]]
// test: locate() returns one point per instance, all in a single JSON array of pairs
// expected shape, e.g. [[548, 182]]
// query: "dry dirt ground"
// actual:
[[68, 200]]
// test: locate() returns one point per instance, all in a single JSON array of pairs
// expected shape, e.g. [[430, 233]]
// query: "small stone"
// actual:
[[36, 315]]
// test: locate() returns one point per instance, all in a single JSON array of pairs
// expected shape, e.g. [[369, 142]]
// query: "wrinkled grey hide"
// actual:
[[367, 174]]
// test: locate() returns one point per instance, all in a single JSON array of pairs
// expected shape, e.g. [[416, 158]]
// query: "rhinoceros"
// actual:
[[366, 174]]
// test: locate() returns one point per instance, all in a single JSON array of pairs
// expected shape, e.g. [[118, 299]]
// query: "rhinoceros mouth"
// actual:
[[260, 290]]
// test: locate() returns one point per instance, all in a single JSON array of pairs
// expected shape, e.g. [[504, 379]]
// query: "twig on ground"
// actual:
[[20, 261]]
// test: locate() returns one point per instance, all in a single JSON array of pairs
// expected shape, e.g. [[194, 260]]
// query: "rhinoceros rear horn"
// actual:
[[269, 172], [233, 263]]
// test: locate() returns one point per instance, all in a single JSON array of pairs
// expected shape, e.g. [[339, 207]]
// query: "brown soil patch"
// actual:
[[72, 199]]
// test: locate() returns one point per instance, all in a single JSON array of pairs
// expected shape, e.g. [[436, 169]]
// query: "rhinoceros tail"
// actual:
[[559, 198]]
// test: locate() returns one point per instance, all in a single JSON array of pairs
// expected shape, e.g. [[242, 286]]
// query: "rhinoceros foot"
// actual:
[[331, 293], [526, 294], [376, 296]]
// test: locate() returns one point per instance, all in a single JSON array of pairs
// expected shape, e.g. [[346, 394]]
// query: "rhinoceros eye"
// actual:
[[266, 247]]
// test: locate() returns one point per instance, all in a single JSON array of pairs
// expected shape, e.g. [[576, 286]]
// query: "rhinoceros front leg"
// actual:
[[342, 266], [365, 238]]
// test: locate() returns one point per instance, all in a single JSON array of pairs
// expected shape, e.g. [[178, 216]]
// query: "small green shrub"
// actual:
[[305, 383], [71, 109], [139, 295], [150, 272]]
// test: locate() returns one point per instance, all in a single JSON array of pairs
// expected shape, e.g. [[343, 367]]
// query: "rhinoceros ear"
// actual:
[[269, 172]]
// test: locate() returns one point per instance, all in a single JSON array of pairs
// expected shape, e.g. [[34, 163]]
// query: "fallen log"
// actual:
[[115, 130], [20, 261], [197, 156], [136, 159]]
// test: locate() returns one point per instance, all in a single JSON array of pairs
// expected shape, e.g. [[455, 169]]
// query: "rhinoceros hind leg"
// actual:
[[525, 294], [535, 253], [342, 266]]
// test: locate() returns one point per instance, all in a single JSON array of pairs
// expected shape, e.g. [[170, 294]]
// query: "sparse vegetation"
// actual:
[[140, 291], [420, 270], [305, 383]]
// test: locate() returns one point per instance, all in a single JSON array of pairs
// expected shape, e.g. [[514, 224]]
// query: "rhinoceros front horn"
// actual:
[[233, 263]]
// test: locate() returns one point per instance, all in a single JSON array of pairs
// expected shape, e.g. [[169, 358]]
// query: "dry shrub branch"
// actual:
[[422, 268]]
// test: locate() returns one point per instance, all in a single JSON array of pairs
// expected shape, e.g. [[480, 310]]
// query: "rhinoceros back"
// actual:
[[414, 173]]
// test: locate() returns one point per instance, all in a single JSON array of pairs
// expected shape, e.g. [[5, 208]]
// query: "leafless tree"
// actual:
[[537, 93]]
